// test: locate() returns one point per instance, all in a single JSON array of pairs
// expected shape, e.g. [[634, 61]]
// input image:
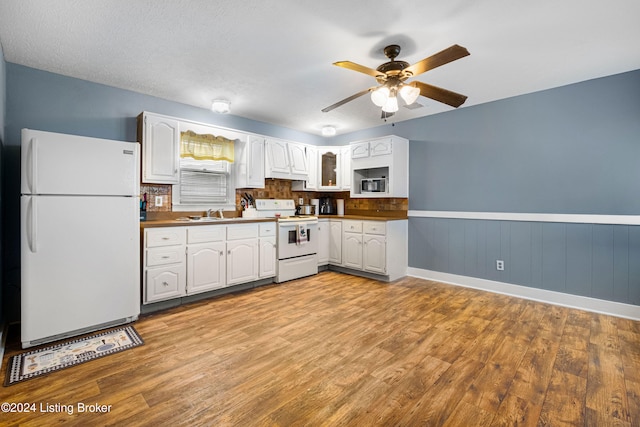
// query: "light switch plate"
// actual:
[[158, 201]]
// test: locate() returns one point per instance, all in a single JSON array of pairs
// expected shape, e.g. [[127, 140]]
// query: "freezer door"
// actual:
[[54, 163], [79, 263]]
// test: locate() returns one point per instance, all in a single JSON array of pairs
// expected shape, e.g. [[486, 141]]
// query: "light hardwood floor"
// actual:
[[335, 349]]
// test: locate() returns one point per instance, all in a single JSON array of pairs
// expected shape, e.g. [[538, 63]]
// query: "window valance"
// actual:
[[206, 147]]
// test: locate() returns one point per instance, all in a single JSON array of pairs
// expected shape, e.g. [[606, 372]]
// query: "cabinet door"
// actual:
[[312, 162], [205, 267], [298, 159], [160, 150], [267, 257], [329, 164], [380, 147], [374, 254], [323, 237], [345, 169], [352, 250], [277, 153], [242, 261], [359, 150], [163, 283], [255, 162], [335, 242]]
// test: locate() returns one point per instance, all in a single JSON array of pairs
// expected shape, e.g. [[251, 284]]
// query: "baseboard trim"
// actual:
[[611, 308]]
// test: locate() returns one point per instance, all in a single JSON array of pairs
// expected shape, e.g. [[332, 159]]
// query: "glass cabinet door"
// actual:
[[328, 169]]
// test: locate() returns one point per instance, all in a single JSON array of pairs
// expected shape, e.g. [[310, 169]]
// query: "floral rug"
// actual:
[[33, 363]]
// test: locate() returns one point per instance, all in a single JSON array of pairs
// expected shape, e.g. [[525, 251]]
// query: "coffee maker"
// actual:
[[327, 206]]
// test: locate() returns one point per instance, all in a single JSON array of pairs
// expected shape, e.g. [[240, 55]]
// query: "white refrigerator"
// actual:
[[80, 237]]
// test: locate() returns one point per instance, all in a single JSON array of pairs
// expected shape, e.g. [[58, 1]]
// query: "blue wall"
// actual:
[[569, 150]]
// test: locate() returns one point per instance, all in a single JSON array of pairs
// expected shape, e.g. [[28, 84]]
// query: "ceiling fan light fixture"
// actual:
[[391, 106], [380, 96], [221, 106], [409, 94]]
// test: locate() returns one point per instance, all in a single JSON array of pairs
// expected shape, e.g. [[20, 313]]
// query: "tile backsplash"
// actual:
[[281, 189]]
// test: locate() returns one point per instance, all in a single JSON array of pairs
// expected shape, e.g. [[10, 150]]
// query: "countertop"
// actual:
[[178, 223], [360, 217], [239, 220]]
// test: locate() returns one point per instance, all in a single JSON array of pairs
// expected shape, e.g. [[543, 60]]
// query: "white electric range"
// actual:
[[297, 246]]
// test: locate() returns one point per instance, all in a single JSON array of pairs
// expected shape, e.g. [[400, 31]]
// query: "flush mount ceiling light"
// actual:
[[221, 106], [328, 131]]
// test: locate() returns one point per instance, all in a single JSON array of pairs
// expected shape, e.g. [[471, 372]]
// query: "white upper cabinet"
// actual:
[[249, 159], [298, 158], [277, 158], [285, 160], [380, 147], [345, 168], [312, 162], [360, 150], [377, 147], [383, 160], [160, 149]]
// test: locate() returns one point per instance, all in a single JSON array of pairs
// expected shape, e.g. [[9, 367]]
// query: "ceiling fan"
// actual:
[[392, 76]]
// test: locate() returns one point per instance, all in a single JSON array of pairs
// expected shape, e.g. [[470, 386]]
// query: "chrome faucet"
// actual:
[[220, 213], [209, 212]]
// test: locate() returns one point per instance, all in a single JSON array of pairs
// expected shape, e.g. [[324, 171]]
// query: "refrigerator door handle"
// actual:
[[32, 225], [32, 165]]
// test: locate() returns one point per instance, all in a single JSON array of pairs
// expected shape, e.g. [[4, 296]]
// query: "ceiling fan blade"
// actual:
[[441, 95], [344, 101], [443, 57], [359, 68]]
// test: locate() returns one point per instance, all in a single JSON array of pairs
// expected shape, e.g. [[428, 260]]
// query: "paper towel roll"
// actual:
[[340, 206], [316, 203]]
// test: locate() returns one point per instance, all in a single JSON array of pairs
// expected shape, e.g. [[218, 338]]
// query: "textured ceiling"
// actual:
[[272, 59]]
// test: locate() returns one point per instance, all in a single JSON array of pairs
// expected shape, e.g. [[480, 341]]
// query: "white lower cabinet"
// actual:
[[242, 253], [377, 247], [267, 256], [205, 267], [335, 242], [352, 250], [179, 261], [164, 264], [267, 262], [374, 254], [322, 238], [242, 261], [163, 283]]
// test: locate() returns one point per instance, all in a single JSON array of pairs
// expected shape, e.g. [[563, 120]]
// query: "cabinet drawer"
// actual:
[[267, 229], [165, 236], [352, 226], [206, 233], [375, 227], [161, 256], [245, 231]]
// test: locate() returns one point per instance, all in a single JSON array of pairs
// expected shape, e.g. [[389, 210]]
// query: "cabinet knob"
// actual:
[[165, 284], [165, 257], [220, 253]]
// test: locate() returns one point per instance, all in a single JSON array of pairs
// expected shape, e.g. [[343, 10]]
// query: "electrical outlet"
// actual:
[[158, 201], [499, 265]]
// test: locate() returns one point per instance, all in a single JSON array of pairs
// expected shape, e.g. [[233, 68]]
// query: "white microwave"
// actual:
[[373, 185]]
